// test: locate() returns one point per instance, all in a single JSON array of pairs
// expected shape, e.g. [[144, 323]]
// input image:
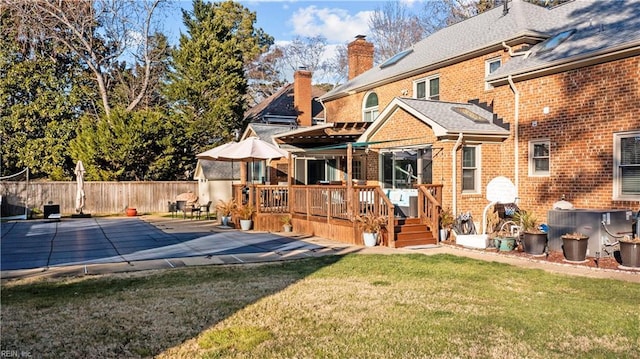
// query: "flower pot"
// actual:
[[132, 212], [630, 254], [245, 224], [575, 248], [287, 228], [444, 234], [505, 244], [370, 239], [534, 243], [225, 220]]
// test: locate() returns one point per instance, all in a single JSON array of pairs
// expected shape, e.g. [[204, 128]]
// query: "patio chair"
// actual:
[[195, 209], [181, 206], [173, 209], [206, 208]]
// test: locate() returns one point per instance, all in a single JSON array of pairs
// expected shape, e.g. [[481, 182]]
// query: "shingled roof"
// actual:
[[595, 31], [524, 21], [445, 118], [279, 108]]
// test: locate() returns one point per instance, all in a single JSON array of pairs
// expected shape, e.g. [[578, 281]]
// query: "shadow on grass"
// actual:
[[137, 314]]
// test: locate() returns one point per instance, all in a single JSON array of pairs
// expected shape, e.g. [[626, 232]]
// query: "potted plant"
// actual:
[[371, 226], [245, 212], [286, 223], [574, 246], [446, 222], [630, 251], [226, 208], [534, 240], [503, 240]]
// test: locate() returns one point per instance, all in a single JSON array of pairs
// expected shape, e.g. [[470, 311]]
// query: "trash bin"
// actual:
[[50, 209]]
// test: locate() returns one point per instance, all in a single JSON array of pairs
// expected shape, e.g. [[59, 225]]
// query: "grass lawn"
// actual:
[[357, 306]]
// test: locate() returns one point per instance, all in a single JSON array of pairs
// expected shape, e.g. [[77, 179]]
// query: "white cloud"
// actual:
[[336, 25]]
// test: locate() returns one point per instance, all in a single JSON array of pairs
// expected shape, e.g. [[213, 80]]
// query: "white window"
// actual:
[[489, 67], [539, 158], [370, 107], [427, 88], [471, 169], [626, 165]]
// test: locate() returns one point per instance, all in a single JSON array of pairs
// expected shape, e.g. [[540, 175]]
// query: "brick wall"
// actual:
[[586, 106]]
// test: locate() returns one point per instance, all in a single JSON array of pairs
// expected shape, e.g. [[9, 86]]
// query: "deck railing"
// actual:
[[333, 202]]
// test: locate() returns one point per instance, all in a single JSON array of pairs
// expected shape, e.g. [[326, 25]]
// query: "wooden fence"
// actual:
[[108, 197]]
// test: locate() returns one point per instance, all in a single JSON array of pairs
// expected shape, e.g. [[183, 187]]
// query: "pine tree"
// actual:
[[208, 85]]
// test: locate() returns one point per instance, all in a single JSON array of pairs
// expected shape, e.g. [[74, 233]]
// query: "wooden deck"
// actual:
[[329, 211]]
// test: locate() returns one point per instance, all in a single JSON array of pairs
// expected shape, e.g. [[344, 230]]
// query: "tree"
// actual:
[[98, 32], [41, 97], [208, 85], [393, 29], [264, 75], [132, 145]]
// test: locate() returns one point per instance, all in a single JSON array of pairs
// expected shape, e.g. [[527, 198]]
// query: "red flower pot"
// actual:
[[132, 212]]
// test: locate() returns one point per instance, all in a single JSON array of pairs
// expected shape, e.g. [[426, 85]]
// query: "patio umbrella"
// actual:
[[212, 154], [247, 150], [251, 149], [79, 171]]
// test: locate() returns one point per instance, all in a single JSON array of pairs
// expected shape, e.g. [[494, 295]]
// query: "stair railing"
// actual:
[[429, 205]]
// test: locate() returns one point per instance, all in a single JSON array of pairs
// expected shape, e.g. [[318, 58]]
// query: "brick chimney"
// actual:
[[360, 55], [302, 96]]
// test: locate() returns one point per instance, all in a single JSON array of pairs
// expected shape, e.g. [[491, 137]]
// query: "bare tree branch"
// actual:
[[99, 32]]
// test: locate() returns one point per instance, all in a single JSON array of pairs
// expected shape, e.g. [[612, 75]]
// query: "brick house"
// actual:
[[548, 98]]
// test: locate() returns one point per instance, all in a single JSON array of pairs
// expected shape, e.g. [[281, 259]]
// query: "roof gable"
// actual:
[[445, 118]]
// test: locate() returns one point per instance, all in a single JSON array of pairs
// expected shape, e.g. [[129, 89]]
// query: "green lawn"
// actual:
[[358, 306]]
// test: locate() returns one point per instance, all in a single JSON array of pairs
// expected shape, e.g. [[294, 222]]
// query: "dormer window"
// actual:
[[370, 107]]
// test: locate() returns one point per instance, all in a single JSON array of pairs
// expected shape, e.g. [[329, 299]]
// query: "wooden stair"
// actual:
[[410, 232]]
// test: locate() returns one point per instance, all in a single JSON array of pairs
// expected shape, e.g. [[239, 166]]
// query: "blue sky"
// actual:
[[337, 21]]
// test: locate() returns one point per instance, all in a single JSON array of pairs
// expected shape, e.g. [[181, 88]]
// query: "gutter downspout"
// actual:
[[516, 137], [513, 53], [454, 166]]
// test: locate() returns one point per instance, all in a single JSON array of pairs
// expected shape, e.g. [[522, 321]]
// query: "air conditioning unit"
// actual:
[[601, 225]]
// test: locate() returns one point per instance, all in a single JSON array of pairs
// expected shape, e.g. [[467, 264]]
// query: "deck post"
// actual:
[[349, 181]]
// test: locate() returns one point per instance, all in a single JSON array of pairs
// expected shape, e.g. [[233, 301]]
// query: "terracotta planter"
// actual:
[[534, 243], [575, 248], [132, 212], [630, 254]]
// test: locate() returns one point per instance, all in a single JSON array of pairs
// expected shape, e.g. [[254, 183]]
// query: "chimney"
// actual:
[[302, 96], [360, 56]]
